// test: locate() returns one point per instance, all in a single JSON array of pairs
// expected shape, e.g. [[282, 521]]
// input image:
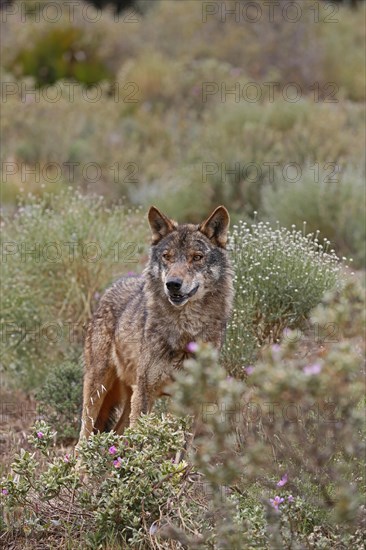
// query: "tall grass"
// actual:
[[59, 253]]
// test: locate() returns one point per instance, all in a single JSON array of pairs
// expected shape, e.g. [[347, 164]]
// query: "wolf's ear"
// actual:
[[160, 224], [216, 226]]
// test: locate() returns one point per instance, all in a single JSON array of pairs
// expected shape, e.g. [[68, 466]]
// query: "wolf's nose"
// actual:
[[174, 284]]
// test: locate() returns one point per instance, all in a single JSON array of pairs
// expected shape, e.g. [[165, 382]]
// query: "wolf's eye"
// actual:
[[197, 257], [166, 256]]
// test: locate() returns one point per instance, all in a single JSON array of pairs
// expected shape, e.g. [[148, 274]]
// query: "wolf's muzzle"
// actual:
[[177, 298], [174, 284], [193, 291]]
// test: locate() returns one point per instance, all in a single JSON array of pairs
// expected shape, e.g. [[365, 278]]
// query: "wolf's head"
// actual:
[[187, 261]]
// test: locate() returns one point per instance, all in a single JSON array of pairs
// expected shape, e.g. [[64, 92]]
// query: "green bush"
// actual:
[[60, 400], [61, 53], [334, 208], [280, 275], [59, 254]]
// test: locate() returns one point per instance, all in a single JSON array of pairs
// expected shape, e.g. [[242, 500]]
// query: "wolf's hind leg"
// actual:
[[112, 399], [95, 391]]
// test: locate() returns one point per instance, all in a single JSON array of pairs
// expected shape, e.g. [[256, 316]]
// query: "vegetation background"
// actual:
[[186, 104]]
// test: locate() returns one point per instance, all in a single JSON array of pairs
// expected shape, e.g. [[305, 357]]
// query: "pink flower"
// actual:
[[276, 501], [290, 498], [118, 462], [67, 458], [4, 491], [312, 369], [131, 274], [192, 347], [282, 481], [39, 435], [112, 450], [249, 370]]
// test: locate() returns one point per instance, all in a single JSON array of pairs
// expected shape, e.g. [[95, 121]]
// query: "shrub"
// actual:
[[60, 400], [280, 275], [334, 208], [283, 453], [59, 253], [133, 483], [61, 54], [79, 44], [243, 146]]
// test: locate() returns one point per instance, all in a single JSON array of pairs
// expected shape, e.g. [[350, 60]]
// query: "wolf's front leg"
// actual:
[[142, 400], [153, 375]]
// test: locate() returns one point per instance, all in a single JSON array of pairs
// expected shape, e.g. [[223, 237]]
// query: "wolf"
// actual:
[[138, 337]]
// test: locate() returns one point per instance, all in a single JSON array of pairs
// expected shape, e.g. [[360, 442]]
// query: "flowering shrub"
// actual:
[[42, 437], [121, 488], [280, 275]]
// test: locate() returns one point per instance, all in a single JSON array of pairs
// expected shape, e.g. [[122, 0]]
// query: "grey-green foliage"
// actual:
[[283, 452]]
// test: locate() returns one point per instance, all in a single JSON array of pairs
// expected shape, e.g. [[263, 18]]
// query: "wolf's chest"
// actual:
[[180, 332]]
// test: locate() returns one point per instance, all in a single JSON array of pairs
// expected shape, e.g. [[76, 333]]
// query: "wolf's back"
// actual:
[[121, 293], [122, 300]]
